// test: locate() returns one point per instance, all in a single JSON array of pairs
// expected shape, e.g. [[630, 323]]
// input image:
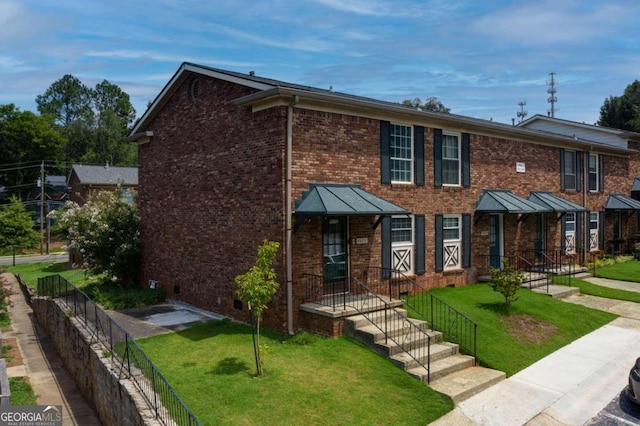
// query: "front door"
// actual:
[[495, 241], [334, 251], [540, 237]]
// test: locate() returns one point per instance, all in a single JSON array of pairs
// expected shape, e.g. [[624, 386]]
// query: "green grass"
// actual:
[[325, 381], [30, 272], [626, 271], [21, 392], [608, 292], [497, 348]]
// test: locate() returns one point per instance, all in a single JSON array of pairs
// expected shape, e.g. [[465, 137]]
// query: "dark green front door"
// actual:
[[334, 249], [495, 241]]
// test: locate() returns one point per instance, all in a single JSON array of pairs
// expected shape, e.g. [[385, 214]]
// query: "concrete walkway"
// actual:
[[50, 381], [570, 386]]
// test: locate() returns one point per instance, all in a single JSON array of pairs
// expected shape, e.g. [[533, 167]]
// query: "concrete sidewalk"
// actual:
[[571, 385], [48, 377]]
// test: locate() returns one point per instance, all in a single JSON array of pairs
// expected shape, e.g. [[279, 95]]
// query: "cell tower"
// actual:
[[552, 98], [522, 113]]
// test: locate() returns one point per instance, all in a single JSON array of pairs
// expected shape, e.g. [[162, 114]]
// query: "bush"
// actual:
[[115, 297], [506, 281]]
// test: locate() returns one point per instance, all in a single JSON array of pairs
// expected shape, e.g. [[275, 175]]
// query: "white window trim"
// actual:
[[455, 243], [595, 231], [571, 247], [411, 160], [404, 249], [597, 172], [459, 137]]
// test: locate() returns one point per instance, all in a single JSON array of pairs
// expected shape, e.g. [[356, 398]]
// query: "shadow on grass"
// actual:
[[229, 367], [498, 307], [216, 328]]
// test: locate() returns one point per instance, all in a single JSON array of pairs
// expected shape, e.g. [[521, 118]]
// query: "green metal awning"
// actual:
[[505, 201], [621, 202], [323, 199], [555, 203], [636, 185]]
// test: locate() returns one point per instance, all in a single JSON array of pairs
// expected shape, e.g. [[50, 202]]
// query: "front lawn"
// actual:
[[608, 292], [308, 380], [622, 271], [535, 326], [30, 272]]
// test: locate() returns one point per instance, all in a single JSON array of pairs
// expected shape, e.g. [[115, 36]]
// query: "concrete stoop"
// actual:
[[465, 383], [452, 373], [557, 291]]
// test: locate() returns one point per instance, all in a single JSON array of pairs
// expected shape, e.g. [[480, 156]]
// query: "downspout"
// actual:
[[289, 214]]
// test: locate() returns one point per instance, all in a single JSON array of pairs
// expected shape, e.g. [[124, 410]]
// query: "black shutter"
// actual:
[[579, 232], [563, 231], [439, 242], [419, 149], [437, 156], [466, 240], [601, 231], [420, 252], [579, 171], [562, 169], [601, 173], [385, 170], [386, 245], [466, 160]]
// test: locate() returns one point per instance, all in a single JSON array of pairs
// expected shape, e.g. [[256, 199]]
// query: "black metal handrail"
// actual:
[[158, 393], [453, 324], [407, 334]]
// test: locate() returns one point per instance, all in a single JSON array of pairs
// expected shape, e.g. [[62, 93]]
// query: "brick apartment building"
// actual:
[[347, 183]]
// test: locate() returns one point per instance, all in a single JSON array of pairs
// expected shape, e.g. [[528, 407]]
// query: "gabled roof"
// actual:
[[621, 202], [270, 92], [106, 175], [324, 199], [505, 201], [553, 202]]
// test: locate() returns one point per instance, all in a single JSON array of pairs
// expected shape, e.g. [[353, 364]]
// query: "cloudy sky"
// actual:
[[480, 58]]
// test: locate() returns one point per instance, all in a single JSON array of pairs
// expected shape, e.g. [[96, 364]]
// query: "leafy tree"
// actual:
[[622, 112], [26, 139], [257, 286], [93, 121], [16, 226], [105, 232], [430, 104], [506, 281]]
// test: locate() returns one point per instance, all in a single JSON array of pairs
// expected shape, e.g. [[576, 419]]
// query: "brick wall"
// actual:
[[115, 399]]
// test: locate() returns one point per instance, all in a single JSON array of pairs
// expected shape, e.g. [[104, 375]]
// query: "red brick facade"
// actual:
[[212, 188]]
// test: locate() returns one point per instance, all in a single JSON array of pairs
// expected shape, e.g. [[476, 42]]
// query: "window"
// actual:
[[570, 167], [570, 233], [401, 153], [593, 231], [593, 172], [450, 159], [402, 243], [451, 241]]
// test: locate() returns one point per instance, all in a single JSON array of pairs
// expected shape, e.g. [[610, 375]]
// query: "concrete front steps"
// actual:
[[452, 373]]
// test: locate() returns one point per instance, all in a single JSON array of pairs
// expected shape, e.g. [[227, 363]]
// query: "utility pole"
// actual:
[[522, 113], [42, 208], [552, 98]]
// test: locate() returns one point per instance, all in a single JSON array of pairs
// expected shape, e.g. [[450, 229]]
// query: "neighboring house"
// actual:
[[349, 184], [55, 195], [86, 182]]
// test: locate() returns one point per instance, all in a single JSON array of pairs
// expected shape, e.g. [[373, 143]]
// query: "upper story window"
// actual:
[[401, 153], [593, 172], [451, 159], [570, 170]]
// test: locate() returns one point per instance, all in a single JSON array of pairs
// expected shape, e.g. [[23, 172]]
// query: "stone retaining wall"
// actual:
[[115, 398]]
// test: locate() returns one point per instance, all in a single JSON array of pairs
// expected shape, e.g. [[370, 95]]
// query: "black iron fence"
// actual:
[[161, 397]]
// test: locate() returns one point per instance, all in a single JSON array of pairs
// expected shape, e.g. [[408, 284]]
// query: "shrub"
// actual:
[[506, 281]]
